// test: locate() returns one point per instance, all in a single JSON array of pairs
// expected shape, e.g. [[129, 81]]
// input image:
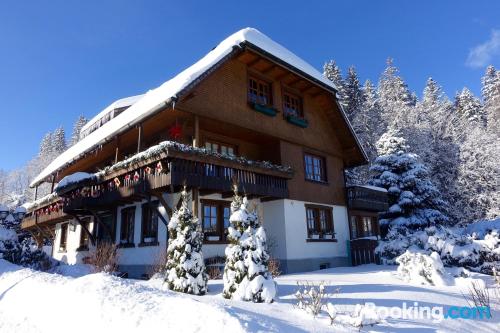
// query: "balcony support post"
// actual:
[[196, 138], [91, 237], [139, 138]]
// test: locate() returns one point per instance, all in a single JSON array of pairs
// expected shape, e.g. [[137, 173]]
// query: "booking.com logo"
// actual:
[[435, 313]]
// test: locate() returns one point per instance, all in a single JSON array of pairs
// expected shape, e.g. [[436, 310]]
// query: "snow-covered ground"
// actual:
[[32, 301]]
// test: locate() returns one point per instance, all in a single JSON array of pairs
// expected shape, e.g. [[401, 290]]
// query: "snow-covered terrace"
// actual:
[[165, 95]]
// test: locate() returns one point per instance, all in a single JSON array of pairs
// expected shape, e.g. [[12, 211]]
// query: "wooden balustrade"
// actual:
[[364, 198]]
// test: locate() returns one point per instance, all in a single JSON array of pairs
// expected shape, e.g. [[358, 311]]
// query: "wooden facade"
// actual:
[[217, 109]]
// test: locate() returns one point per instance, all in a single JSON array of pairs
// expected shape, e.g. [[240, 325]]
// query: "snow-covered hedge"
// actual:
[[455, 246], [421, 268], [24, 253]]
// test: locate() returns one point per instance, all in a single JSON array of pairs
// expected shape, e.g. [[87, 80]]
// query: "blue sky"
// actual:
[[60, 59]]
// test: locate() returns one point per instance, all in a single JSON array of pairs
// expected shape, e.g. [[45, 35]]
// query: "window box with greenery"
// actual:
[[215, 220], [319, 224], [149, 230], [260, 96], [293, 110]]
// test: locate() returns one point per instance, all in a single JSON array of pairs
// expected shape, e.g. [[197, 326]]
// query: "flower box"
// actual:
[[268, 111], [149, 240], [213, 238], [328, 236], [314, 236], [298, 121]]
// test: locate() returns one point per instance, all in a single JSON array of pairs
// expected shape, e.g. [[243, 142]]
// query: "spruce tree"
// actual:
[[59, 140], [469, 112], [185, 265], [353, 94], [333, 73], [414, 202], [246, 274], [395, 98], [77, 127], [490, 92]]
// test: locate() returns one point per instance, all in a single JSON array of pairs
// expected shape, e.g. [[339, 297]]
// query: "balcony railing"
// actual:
[[365, 198], [165, 172]]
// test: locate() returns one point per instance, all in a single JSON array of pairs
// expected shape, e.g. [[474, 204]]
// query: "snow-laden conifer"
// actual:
[[185, 271], [246, 274]]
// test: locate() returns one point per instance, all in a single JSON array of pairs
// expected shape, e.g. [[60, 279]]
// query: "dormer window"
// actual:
[[292, 105], [259, 92]]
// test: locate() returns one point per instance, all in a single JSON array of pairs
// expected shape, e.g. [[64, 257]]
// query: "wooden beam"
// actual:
[[84, 228], [196, 139], [194, 199], [139, 138], [36, 192], [254, 62], [157, 212], [97, 219], [53, 183], [164, 203], [269, 69], [282, 76]]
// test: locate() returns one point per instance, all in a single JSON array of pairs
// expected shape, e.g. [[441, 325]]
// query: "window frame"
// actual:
[[148, 212], [124, 225], [323, 168], [220, 229], [259, 79], [316, 211], [293, 95], [84, 242], [63, 232]]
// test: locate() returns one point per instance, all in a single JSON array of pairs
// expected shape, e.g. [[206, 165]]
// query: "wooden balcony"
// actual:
[[165, 170], [365, 198]]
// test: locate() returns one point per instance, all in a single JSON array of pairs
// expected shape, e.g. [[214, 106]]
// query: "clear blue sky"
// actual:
[[60, 59]]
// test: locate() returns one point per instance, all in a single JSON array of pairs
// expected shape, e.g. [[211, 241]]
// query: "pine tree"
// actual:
[[59, 140], [333, 73], [77, 127], [46, 145], [414, 202], [490, 92], [353, 94], [246, 274], [185, 266], [395, 99], [469, 112]]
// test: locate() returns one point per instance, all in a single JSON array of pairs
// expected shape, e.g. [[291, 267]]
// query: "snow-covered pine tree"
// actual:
[[333, 73], [77, 127], [246, 274], [490, 92], [46, 145], [185, 265], [368, 125], [414, 202], [59, 140], [469, 112], [353, 95], [395, 98]]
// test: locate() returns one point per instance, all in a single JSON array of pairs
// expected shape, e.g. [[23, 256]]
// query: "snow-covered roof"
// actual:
[[123, 102], [375, 188], [156, 99]]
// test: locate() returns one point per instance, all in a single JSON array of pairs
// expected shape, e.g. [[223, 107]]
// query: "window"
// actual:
[[215, 219], [221, 148], [319, 222], [259, 91], [292, 105], [84, 236], [149, 234], [367, 226], [315, 168], [354, 227], [127, 226], [63, 238]]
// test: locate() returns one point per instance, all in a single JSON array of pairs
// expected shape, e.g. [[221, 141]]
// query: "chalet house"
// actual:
[[251, 112]]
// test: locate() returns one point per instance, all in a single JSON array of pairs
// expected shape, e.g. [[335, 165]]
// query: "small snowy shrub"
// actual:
[[185, 265], [421, 268], [331, 310], [246, 273], [104, 258], [310, 297], [364, 315]]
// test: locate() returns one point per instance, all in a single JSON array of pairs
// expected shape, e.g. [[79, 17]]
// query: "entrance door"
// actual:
[[107, 226]]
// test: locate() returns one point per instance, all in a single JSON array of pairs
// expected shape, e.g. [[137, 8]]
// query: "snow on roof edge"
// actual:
[[126, 101], [163, 94]]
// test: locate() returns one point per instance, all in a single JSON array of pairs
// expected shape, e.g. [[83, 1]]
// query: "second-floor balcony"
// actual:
[[166, 167], [367, 198]]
